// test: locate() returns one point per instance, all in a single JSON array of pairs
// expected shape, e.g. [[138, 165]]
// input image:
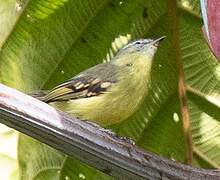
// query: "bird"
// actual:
[[109, 92]]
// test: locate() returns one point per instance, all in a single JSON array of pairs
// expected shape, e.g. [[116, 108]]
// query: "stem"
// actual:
[[173, 23], [205, 158], [208, 98]]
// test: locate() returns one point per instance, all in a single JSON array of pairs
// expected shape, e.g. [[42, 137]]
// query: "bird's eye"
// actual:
[[138, 42], [129, 64]]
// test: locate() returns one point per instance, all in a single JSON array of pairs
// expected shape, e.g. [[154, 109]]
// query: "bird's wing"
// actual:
[[91, 82]]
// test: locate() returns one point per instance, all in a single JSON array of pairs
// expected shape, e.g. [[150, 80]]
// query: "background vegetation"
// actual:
[[45, 42]]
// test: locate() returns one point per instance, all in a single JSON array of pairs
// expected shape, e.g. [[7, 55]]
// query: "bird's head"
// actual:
[[146, 46], [138, 48]]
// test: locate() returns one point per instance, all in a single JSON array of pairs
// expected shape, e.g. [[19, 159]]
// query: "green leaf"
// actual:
[[39, 161], [202, 72], [205, 127], [8, 152], [193, 5], [9, 10], [54, 40]]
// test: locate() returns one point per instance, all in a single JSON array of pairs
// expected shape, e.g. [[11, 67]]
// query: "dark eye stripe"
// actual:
[[140, 41]]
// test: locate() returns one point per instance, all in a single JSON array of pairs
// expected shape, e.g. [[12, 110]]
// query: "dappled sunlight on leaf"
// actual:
[[117, 44], [54, 40]]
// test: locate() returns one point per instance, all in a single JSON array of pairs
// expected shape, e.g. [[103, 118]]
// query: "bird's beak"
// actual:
[[156, 41]]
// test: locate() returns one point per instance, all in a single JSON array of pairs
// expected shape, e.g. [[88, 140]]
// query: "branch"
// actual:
[[173, 23], [89, 142]]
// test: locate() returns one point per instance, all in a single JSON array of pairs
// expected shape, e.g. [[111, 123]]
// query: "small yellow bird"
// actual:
[[108, 92]]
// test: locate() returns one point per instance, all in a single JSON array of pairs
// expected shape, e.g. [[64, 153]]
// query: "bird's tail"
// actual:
[[39, 94]]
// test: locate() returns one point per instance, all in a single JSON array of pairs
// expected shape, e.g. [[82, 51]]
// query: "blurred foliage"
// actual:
[[53, 40]]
